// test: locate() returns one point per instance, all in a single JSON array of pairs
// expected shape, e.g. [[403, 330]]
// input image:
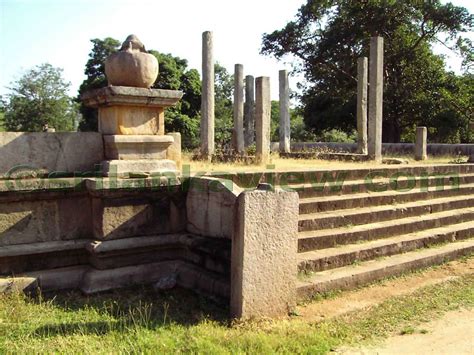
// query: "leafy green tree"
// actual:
[[327, 37], [95, 72], [39, 98], [223, 110]]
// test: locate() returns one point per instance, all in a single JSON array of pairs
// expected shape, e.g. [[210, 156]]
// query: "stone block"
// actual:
[[210, 207], [135, 216], [62, 151], [45, 220], [174, 150], [145, 166], [131, 120], [136, 147], [264, 249]]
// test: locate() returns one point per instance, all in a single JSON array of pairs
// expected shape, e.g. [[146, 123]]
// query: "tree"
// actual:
[[327, 37], [223, 109], [95, 72], [39, 98]]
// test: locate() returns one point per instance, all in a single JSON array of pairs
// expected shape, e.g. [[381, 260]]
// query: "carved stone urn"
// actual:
[[132, 65]]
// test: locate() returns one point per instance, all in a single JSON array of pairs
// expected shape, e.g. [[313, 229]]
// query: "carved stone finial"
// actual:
[[132, 65]]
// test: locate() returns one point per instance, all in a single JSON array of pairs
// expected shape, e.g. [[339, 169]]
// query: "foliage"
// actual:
[[223, 109], [39, 98], [327, 37]]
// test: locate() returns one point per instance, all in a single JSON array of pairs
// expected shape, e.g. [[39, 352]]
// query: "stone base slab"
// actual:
[[136, 147], [125, 167]]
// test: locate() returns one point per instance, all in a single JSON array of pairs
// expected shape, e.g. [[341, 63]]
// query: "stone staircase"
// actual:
[[364, 230]]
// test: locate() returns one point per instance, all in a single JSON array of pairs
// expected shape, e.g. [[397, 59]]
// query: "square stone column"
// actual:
[[239, 108], [207, 97], [362, 71], [249, 111], [263, 107], [375, 98], [264, 249], [421, 144], [285, 130], [131, 121]]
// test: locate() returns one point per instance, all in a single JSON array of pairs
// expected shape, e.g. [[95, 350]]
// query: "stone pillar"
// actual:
[[471, 156], [207, 97], [262, 118], [375, 98], [420, 143], [264, 250], [239, 108], [284, 112], [249, 111], [362, 71]]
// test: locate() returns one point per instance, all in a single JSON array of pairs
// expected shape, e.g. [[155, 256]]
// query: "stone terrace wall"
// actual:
[[64, 152], [387, 148]]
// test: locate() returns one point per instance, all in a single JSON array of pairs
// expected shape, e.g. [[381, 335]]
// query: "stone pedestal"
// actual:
[[131, 121], [420, 143]]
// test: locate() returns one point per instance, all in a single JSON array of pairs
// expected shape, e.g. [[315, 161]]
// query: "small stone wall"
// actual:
[[61, 152], [434, 149]]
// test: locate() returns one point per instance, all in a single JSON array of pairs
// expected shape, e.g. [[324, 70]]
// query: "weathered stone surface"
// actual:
[[264, 248], [147, 166], [132, 65], [362, 72], [174, 150], [136, 147], [207, 97], [131, 96], [62, 151], [249, 111], [421, 143], [239, 108], [131, 120], [210, 207], [44, 220], [102, 280], [136, 216], [18, 284], [285, 130], [375, 98], [262, 118]]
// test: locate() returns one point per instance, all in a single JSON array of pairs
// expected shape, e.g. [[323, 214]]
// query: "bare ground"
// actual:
[[453, 333], [370, 296]]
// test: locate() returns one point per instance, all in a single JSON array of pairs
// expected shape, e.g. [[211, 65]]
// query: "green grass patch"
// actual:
[[141, 320]]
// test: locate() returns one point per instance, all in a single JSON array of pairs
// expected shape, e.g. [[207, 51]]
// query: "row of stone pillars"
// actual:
[[370, 143], [252, 108]]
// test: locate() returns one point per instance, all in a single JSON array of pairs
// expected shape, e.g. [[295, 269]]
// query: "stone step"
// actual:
[[398, 181], [367, 199], [331, 258], [364, 215], [352, 276], [327, 238]]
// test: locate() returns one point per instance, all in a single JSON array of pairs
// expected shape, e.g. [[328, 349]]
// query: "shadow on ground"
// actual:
[[126, 309]]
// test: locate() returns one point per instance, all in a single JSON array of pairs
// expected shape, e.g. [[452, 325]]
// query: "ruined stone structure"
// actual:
[[132, 117], [260, 241]]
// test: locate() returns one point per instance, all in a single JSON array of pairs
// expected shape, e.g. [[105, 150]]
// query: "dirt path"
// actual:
[[451, 334], [377, 293]]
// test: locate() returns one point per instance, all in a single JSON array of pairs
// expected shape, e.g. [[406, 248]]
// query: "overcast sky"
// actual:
[[59, 32]]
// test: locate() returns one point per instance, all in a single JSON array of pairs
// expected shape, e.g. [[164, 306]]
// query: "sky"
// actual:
[[59, 32]]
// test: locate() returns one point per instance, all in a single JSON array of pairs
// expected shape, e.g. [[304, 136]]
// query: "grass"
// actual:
[[2, 129], [283, 164], [141, 320]]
